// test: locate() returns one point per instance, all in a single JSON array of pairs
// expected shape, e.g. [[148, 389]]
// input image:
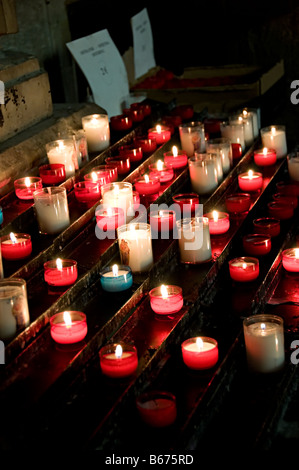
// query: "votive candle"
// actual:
[[166, 299], [116, 278], [250, 181], [25, 187], [118, 360], [68, 327], [16, 246], [264, 157], [157, 409], [218, 222], [161, 134], [200, 353], [290, 260], [60, 272], [244, 269]]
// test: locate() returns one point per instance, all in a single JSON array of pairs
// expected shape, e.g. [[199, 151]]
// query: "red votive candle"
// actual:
[[25, 187], [135, 113], [236, 151], [185, 111], [110, 218], [265, 157], [244, 269], [68, 327], [176, 158], [165, 173], [87, 191], [121, 122], [287, 199], [147, 145], [218, 222], [290, 260], [16, 246], [267, 225], [60, 272], [51, 174], [250, 181], [188, 203], [108, 171], [257, 244], [162, 221], [166, 300], [118, 360], [200, 353], [134, 153], [146, 108], [238, 203], [280, 210], [290, 189], [122, 163], [172, 121], [161, 134], [157, 408], [147, 185], [100, 176]]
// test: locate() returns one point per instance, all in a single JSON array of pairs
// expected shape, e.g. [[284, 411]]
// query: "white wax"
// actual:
[[121, 272], [64, 155], [293, 168], [203, 176], [275, 140], [13, 311], [97, 133], [235, 134], [136, 249], [121, 198], [192, 140], [194, 243], [52, 213], [205, 346]]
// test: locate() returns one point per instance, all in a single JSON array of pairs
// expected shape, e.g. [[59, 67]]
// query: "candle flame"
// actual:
[[164, 292], [146, 177], [59, 264], [60, 145], [215, 216], [245, 113], [67, 319], [13, 237], [109, 211], [94, 176], [250, 174], [159, 165], [174, 151], [158, 129], [244, 265], [273, 130], [265, 150], [297, 253], [27, 182], [118, 351], [160, 213], [115, 270], [263, 326], [240, 119], [199, 343]]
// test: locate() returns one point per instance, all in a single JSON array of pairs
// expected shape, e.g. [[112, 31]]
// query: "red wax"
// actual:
[[145, 107], [68, 327], [161, 134], [157, 409], [244, 269], [51, 174], [121, 122], [135, 113], [290, 260], [87, 191], [291, 189], [250, 181], [200, 353], [287, 199], [147, 185], [257, 244], [122, 163], [162, 221], [185, 111], [173, 120], [162, 171], [212, 125], [109, 171], [109, 219], [60, 272], [280, 210], [236, 151], [135, 153], [147, 145], [218, 222], [267, 225], [188, 203], [166, 300], [118, 360], [265, 157], [16, 246], [101, 176], [25, 187], [176, 159], [136, 200], [238, 202]]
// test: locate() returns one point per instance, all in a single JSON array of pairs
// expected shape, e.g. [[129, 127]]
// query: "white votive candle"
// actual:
[[194, 240], [51, 208], [97, 131], [274, 137], [119, 195], [63, 151], [135, 246]]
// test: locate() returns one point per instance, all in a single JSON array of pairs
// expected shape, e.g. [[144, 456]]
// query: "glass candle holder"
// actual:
[[116, 278], [194, 240], [63, 151], [109, 218], [233, 132], [82, 148], [119, 195], [87, 191], [162, 221], [14, 312], [121, 162], [257, 244], [264, 157], [274, 137], [187, 203], [246, 120], [16, 246], [267, 225], [97, 132], [237, 151], [222, 147], [134, 152], [218, 222], [121, 122], [244, 269], [254, 113], [160, 170], [161, 134], [238, 203], [200, 353], [135, 246], [60, 272], [103, 172], [293, 166], [52, 174], [203, 173], [51, 208], [250, 181], [118, 360], [192, 137], [280, 210], [136, 113], [290, 260], [287, 199], [147, 185], [68, 327], [175, 158], [290, 189], [157, 409], [166, 300], [147, 144], [25, 187], [264, 343]]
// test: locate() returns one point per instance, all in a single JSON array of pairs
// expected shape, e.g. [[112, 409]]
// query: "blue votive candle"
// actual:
[[116, 278]]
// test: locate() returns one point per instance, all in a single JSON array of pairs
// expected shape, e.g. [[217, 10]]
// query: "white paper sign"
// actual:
[[104, 69], [143, 43]]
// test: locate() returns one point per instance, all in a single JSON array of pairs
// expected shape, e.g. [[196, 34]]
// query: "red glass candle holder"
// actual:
[[287, 199], [147, 185], [121, 122], [110, 218], [135, 113], [157, 408], [200, 353], [280, 210], [25, 187], [118, 360], [218, 222], [100, 176], [60, 272], [122, 163], [52, 174], [173, 120], [264, 157], [188, 203], [161, 134], [162, 221], [145, 107], [267, 225], [166, 300], [237, 151], [175, 159], [244, 269], [250, 181], [134, 152], [212, 125], [290, 260], [148, 145], [238, 203], [257, 244], [159, 169], [87, 191], [185, 111], [290, 189], [68, 327], [16, 246], [103, 171]]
